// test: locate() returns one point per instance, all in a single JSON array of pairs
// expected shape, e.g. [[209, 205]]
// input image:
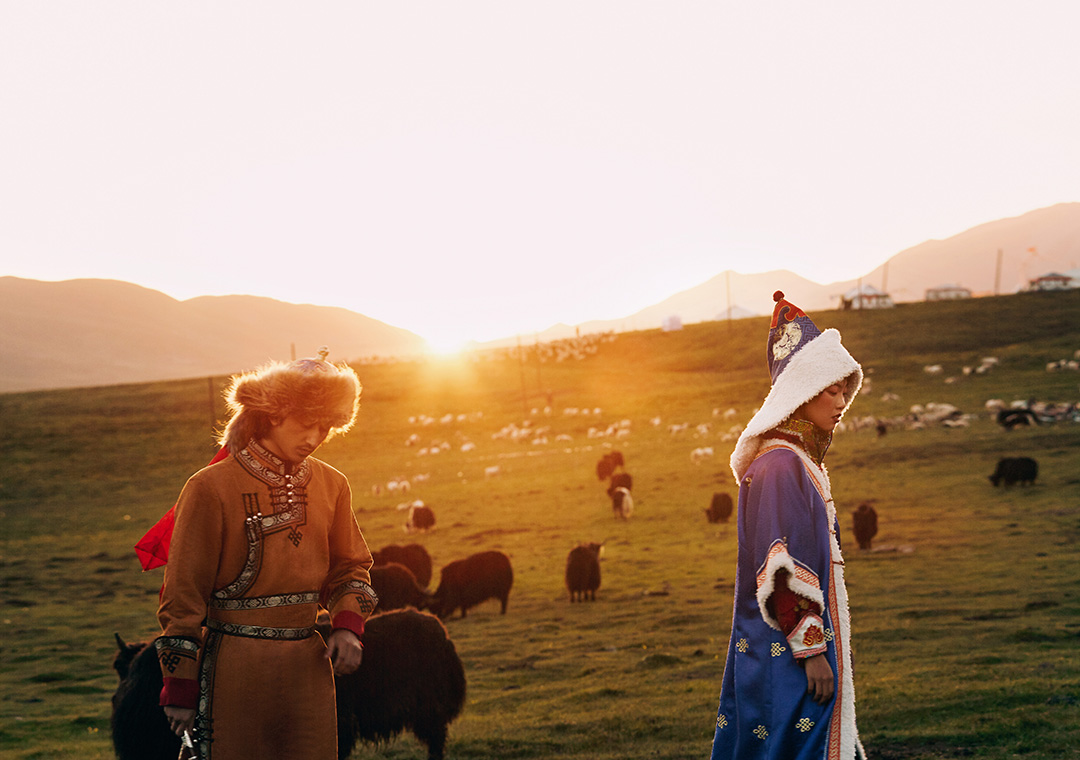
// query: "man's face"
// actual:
[[294, 439]]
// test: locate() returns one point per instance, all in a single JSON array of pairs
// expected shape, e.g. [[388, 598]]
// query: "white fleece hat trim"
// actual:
[[814, 367]]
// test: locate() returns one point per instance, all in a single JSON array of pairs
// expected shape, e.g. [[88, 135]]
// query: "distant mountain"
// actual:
[[1033, 244], [1036, 243], [80, 333], [101, 332]]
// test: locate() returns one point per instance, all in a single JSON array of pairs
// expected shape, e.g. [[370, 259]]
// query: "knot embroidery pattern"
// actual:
[[742, 645], [761, 732], [805, 724], [778, 649], [170, 660], [813, 636], [721, 721]]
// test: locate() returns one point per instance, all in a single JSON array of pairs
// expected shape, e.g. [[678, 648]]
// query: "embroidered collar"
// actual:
[[267, 466], [806, 435]]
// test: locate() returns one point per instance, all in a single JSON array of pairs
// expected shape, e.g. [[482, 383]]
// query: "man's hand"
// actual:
[[819, 679], [180, 719], [344, 651]]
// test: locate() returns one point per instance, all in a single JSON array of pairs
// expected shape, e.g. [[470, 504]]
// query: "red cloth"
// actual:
[[180, 692], [788, 607], [350, 621], [153, 548]]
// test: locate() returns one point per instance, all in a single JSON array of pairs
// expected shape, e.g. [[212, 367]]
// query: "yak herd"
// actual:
[[411, 677]]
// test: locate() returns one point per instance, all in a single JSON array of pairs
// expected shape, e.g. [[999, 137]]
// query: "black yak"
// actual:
[[720, 508], [583, 571], [1010, 418], [410, 678], [396, 587], [1022, 470], [622, 503], [140, 730], [864, 524], [620, 480], [467, 582], [413, 556], [608, 464], [421, 518]]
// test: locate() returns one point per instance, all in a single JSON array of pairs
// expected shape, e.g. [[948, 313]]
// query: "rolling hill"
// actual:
[[79, 333]]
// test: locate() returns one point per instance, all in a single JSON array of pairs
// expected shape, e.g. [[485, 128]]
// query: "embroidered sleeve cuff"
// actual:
[[350, 621], [808, 638], [353, 595], [179, 656], [180, 692]]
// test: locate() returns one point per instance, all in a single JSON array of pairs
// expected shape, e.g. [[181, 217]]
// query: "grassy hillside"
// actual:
[[965, 634]]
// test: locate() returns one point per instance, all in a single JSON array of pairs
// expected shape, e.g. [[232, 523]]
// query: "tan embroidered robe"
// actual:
[[258, 546]]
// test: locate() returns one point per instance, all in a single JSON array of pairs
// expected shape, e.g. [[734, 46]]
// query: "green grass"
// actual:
[[965, 636]]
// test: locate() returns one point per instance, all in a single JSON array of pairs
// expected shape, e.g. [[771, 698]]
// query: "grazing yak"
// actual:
[[620, 480], [622, 503], [720, 508], [421, 518], [864, 521], [396, 587], [467, 582], [1022, 470], [583, 571], [413, 556], [411, 677], [1010, 418], [608, 464]]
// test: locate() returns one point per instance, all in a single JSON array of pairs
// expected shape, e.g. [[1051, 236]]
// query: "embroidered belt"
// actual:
[[264, 602], [260, 631]]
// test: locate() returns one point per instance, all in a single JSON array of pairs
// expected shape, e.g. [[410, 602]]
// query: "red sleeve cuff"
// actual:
[[349, 620], [180, 692]]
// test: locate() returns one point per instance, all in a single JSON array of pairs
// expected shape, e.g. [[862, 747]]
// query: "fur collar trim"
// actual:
[[817, 365]]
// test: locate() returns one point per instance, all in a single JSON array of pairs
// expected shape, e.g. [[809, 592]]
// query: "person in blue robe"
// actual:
[[788, 690]]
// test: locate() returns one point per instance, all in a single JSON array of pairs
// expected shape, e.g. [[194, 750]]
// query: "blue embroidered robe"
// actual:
[[786, 520]]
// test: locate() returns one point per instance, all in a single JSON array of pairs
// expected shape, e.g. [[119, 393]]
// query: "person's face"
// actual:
[[294, 439], [824, 409]]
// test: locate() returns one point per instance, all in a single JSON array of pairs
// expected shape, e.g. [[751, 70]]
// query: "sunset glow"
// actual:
[[483, 170]]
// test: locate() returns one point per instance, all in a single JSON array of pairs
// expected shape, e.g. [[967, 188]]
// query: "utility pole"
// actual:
[[727, 278], [539, 381], [521, 367], [997, 274], [213, 417]]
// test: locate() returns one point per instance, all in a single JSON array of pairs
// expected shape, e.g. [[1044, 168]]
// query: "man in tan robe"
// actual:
[[262, 539]]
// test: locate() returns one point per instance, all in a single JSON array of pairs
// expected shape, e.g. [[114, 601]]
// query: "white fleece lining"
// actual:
[[817, 365], [777, 560]]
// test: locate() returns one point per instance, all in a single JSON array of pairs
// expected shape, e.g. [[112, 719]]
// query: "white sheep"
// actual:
[[698, 455]]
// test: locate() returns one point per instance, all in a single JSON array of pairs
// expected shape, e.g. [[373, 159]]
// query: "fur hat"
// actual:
[[311, 389], [803, 361]]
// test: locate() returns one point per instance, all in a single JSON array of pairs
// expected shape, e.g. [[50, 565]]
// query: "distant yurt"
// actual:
[[866, 297], [947, 293], [1052, 281]]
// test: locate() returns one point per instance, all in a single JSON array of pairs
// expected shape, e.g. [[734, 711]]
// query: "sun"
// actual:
[[445, 346]]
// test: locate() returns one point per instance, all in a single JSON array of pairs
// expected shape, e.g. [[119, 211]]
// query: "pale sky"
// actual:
[[474, 170]]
